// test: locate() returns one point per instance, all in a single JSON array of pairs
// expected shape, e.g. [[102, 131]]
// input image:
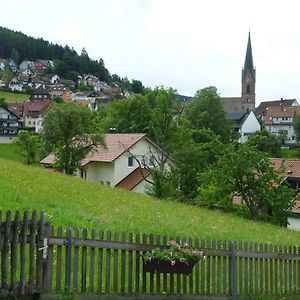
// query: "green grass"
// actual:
[[70, 201], [8, 151], [14, 97], [290, 153]]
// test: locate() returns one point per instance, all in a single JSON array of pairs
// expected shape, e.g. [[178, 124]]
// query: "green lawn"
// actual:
[[14, 97], [290, 153], [70, 201], [9, 151]]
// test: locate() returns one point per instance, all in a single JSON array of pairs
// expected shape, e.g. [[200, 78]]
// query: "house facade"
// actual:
[[123, 163], [245, 123], [9, 125], [264, 106], [31, 113], [280, 120]]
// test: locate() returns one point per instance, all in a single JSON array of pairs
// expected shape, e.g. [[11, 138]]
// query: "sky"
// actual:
[[186, 45]]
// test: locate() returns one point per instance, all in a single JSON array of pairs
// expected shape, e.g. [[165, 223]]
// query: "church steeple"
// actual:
[[248, 66], [248, 79]]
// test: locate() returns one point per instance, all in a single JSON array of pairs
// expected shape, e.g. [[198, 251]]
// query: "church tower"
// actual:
[[248, 80]]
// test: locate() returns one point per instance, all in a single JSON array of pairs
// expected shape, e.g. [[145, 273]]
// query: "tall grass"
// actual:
[[73, 202]]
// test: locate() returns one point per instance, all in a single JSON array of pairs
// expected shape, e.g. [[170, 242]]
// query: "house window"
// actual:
[[130, 161], [83, 174]]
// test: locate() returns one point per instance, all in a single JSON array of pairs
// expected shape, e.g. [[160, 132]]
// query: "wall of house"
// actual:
[[250, 126], [30, 122], [294, 223], [141, 187], [140, 149], [288, 129], [6, 139], [16, 87], [100, 172]]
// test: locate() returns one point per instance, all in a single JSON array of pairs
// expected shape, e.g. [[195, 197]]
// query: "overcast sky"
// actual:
[[186, 45]]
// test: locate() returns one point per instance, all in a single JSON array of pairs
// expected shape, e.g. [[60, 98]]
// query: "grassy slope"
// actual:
[[14, 97], [70, 201], [8, 151], [290, 153]]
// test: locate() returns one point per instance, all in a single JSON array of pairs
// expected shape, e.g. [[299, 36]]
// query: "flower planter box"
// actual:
[[164, 266]]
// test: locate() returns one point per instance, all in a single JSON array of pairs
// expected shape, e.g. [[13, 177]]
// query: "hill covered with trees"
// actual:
[[67, 62]]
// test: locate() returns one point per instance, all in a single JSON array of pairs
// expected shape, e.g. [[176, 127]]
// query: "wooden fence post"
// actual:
[[4, 255], [68, 260], [233, 270], [46, 269]]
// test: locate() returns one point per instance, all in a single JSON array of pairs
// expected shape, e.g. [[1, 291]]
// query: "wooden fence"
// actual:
[[38, 260]]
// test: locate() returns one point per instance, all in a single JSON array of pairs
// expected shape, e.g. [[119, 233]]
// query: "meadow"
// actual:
[[73, 202], [10, 152], [14, 97]]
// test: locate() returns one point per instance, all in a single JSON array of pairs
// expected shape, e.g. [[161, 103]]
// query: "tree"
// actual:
[[129, 116], [247, 173], [266, 142], [165, 115], [137, 87], [195, 151], [3, 103], [14, 54], [28, 146], [70, 131], [206, 111], [7, 75]]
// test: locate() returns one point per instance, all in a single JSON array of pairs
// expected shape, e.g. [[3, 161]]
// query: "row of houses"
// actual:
[[38, 66], [31, 74]]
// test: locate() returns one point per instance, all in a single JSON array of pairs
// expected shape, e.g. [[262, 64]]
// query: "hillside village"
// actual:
[[130, 156], [114, 188]]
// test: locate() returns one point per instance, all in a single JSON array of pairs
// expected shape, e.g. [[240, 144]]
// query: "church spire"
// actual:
[[248, 79], [248, 66]]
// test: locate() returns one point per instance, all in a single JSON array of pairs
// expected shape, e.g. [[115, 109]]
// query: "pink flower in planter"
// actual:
[[173, 262]]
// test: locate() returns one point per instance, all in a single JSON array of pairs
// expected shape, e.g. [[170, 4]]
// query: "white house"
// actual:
[[15, 84], [123, 163], [245, 123], [280, 120], [30, 113], [264, 106]]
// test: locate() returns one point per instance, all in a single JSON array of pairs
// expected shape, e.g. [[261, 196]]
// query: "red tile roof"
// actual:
[[291, 166], [281, 112], [116, 145], [133, 179]]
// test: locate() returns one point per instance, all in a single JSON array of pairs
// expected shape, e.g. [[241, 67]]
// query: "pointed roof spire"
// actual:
[[248, 66]]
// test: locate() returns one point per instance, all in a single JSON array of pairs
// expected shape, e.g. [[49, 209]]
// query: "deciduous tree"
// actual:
[[247, 173], [70, 131], [206, 111], [28, 146]]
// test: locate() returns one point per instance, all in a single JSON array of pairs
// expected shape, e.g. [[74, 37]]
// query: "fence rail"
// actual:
[[36, 258]]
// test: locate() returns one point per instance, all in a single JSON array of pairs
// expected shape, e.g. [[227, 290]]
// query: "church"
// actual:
[[247, 99]]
